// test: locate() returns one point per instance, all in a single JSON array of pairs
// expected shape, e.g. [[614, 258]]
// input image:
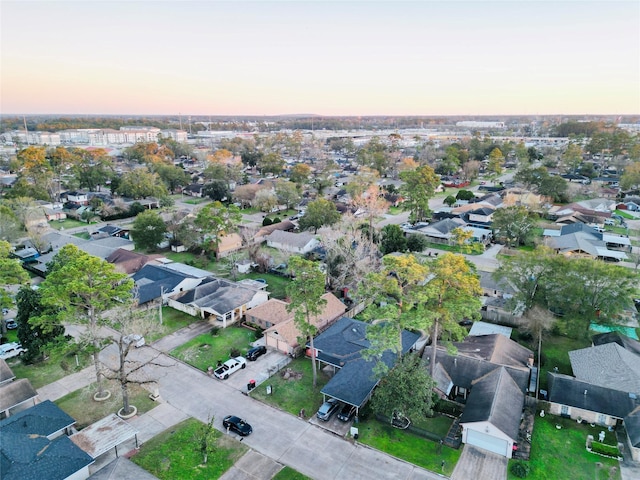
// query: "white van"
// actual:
[[10, 350]]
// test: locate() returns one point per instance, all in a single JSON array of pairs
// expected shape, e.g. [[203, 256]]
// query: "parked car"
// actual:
[[10, 350], [137, 340], [11, 324], [256, 352], [346, 413], [609, 221], [327, 409], [230, 366], [238, 425]]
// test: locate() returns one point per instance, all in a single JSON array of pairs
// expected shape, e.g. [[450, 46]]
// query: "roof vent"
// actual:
[[633, 396], [585, 392]]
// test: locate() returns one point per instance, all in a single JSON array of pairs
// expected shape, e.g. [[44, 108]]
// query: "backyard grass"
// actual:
[[206, 350], [409, 447], [561, 453], [81, 406], [57, 366], [555, 354], [66, 224], [276, 284], [288, 473], [626, 215], [293, 395], [174, 454]]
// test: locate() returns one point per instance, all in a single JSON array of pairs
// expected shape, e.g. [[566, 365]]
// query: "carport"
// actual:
[[103, 435]]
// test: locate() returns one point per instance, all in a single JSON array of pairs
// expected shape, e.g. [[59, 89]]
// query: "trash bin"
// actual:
[[251, 385]]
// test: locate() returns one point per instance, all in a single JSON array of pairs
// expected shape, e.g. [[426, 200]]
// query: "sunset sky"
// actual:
[[320, 57]]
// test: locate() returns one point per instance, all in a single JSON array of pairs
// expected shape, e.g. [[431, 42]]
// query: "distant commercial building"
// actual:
[[477, 124]]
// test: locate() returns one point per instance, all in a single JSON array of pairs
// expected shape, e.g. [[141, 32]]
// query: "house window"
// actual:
[[565, 410]]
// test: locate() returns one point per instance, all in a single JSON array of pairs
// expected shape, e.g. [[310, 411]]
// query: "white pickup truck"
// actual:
[[230, 366]]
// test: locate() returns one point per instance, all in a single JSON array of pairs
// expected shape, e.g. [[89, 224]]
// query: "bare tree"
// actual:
[[350, 255], [538, 321], [130, 364]]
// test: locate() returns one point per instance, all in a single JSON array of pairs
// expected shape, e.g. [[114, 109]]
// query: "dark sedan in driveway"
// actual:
[[231, 422], [255, 352]]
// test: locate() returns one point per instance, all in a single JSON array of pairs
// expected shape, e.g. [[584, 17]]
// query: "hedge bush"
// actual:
[[604, 449], [520, 469]]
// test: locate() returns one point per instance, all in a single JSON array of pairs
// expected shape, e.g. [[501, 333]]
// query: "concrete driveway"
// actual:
[[479, 464], [284, 438]]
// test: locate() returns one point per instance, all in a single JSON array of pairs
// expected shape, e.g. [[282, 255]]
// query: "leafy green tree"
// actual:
[[514, 225], [215, 220], [452, 294], [450, 200], [392, 239], [217, 190], [418, 189], [287, 193], [172, 176], [82, 288], [374, 154], [461, 238], [572, 157], [306, 291], [630, 179], [265, 200], [396, 293], [319, 213], [417, 242], [141, 183], [300, 173], [529, 273], [10, 227], [37, 172], [148, 230], [271, 163], [36, 337], [251, 158], [496, 161], [465, 195], [11, 273], [92, 168], [406, 391]]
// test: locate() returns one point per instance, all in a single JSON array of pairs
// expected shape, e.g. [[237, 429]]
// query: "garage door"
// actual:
[[487, 442]]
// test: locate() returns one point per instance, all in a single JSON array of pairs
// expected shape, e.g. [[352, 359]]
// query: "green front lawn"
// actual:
[[206, 350], [294, 394], [439, 425], [409, 447], [288, 473], [81, 406], [172, 320], [561, 453], [174, 454], [57, 366]]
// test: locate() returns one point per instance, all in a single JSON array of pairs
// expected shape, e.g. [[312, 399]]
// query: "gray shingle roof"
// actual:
[[27, 454], [151, 280], [608, 365], [627, 343], [566, 390], [218, 295], [341, 345], [495, 398], [294, 240]]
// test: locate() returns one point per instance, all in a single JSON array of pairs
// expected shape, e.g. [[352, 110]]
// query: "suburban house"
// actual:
[[129, 262], [34, 444], [482, 216], [282, 333], [270, 313], [608, 365], [490, 375], [225, 301], [81, 198], [299, 243], [496, 294], [15, 395], [193, 190], [339, 349], [156, 281], [585, 402], [54, 241], [440, 232], [264, 232], [582, 240], [228, 244]]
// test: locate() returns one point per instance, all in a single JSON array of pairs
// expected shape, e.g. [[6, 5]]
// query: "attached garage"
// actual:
[[488, 442]]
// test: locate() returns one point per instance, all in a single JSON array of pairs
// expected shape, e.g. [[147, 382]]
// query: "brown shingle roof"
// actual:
[[288, 331], [273, 311], [15, 393]]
